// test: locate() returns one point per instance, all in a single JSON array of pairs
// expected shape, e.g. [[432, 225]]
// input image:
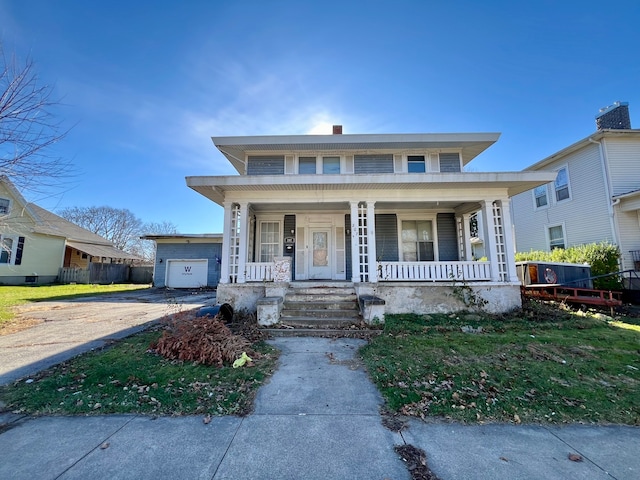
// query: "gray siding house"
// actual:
[[595, 196], [384, 215]]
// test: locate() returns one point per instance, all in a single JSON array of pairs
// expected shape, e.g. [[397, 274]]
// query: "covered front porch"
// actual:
[[415, 257], [369, 242]]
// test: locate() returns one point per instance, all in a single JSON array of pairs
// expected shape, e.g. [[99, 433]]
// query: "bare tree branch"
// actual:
[[120, 226], [28, 126]]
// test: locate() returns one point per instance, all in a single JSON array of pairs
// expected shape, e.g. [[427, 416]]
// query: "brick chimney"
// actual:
[[614, 116], [337, 129]]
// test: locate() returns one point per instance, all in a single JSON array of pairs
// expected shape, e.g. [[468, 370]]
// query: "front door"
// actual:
[[320, 258]]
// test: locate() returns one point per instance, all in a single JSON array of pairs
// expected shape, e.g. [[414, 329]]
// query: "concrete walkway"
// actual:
[[318, 418]]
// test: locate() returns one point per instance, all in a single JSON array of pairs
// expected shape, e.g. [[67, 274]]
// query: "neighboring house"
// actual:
[[35, 243], [187, 261], [384, 214], [595, 196]]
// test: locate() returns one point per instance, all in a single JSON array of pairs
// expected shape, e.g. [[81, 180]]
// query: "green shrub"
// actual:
[[603, 257]]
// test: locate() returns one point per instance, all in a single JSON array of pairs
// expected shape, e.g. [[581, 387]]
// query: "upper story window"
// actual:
[[265, 165], [306, 165], [561, 185], [450, 162], [540, 196], [4, 205], [330, 165], [416, 164]]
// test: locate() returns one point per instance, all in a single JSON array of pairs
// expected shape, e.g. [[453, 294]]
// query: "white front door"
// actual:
[[320, 255]]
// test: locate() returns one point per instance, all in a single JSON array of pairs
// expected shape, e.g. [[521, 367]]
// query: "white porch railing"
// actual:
[[259, 272], [434, 271]]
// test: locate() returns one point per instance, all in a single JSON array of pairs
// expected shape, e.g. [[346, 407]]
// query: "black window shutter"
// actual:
[[19, 251]]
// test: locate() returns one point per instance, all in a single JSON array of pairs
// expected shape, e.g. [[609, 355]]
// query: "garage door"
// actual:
[[187, 273]]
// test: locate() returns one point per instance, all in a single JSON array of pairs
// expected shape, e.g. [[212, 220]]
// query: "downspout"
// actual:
[[607, 186]]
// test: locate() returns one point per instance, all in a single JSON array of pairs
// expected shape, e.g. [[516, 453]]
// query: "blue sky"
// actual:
[[146, 84]]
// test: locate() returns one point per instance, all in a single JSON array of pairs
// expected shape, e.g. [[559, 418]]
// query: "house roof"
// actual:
[[595, 137], [216, 187], [236, 148], [107, 251], [48, 223]]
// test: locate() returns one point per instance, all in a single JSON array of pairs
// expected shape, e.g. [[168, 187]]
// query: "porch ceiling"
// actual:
[[237, 148], [216, 188]]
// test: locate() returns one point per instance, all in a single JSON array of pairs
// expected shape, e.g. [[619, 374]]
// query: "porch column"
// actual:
[[464, 236], [494, 243], [371, 240], [509, 244], [226, 240], [355, 261], [242, 247]]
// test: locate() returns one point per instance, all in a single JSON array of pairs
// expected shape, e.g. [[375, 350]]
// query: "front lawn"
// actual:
[[128, 377], [546, 364]]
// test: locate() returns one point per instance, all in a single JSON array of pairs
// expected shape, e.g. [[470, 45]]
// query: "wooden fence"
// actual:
[[105, 273]]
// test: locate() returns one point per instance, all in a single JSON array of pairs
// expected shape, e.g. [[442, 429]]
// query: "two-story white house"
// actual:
[[595, 196], [386, 215]]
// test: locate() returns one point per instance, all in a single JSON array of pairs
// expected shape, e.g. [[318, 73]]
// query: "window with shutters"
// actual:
[[417, 241], [330, 165]]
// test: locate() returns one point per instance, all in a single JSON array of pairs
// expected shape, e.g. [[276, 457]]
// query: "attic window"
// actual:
[[4, 205]]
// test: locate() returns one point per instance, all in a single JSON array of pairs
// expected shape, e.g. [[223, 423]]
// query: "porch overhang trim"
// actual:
[[216, 188]]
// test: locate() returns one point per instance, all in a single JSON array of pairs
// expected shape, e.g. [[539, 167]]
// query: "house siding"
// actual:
[[447, 237], [629, 228], [623, 155], [585, 216], [373, 163], [450, 162], [186, 251], [387, 237], [265, 165]]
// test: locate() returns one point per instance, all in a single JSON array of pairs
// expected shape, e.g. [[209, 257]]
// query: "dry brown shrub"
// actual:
[[203, 340]]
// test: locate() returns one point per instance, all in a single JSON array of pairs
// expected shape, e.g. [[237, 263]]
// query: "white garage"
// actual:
[[187, 273]]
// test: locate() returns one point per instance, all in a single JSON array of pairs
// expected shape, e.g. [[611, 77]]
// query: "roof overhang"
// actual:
[[237, 148], [106, 251], [216, 188], [591, 139], [629, 201], [186, 236]]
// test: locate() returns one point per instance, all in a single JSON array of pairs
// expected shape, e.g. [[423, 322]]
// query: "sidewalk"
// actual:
[[318, 418]]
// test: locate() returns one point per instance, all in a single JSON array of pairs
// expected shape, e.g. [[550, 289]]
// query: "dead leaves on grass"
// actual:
[[202, 340]]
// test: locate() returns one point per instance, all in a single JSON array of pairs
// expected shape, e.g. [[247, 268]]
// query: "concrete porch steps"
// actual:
[[323, 332], [320, 306]]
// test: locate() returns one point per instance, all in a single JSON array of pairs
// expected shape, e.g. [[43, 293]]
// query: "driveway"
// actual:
[[70, 327]]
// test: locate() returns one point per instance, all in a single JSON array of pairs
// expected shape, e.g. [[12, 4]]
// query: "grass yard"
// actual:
[[546, 365], [128, 378], [11, 296]]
